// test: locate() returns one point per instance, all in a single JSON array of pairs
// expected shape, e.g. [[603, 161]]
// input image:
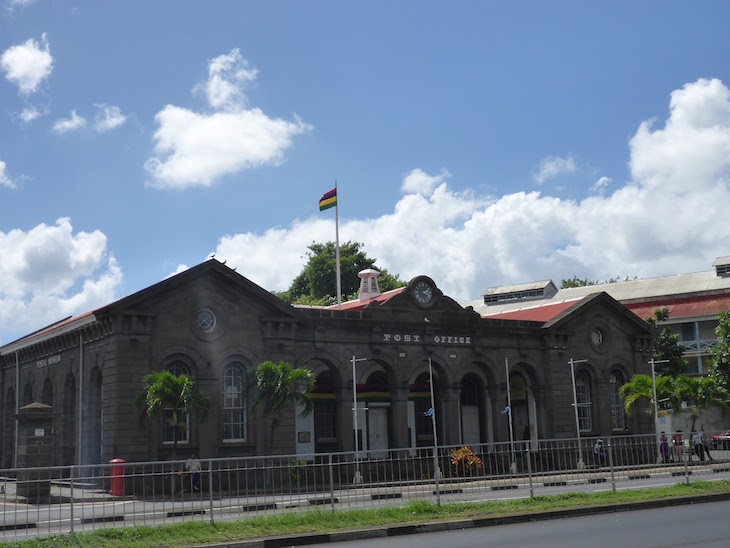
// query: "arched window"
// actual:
[[47, 395], [181, 434], [234, 403], [616, 381], [325, 413], [469, 392], [583, 397]]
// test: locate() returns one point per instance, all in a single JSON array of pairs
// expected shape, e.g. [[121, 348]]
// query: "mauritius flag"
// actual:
[[328, 200]]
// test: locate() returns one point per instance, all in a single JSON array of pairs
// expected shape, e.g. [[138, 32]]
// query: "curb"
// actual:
[[400, 530]]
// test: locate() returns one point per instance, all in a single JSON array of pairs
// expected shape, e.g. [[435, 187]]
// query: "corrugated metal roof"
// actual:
[[542, 313], [359, 305], [514, 288], [646, 291], [690, 307]]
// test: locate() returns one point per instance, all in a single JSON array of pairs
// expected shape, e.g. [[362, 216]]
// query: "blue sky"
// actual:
[[479, 143]]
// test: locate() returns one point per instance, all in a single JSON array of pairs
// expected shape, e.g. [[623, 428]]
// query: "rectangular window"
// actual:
[[583, 396], [324, 421], [234, 404], [168, 430], [688, 331]]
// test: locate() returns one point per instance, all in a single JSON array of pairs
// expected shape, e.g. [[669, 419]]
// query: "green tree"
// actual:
[[666, 346], [575, 281], [720, 351], [164, 390], [698, 393], [316, 283], [641, 388], [279, 386]]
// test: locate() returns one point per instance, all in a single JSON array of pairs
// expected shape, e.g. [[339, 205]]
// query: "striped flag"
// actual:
[[328, 200]]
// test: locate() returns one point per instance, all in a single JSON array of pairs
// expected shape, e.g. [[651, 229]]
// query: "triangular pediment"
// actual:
[[201, 282], [598, 304]]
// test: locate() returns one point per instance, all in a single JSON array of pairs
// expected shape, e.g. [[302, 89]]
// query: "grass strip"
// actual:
[[199, 533]]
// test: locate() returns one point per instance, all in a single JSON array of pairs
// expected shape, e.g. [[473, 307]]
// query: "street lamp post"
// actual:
[[358, 478], [436, 470], [513, 464], [656, 408], [581, 464]]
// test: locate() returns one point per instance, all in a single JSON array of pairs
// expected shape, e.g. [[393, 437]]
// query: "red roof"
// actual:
[[536, 314], [359, 305], [687, 307]]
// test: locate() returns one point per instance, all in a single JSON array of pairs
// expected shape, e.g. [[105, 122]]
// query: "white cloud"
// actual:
[[29, 114], [553, 166], [12, 4], [228, 74], [27, 64], [108, 117], [64, 125], [196, 149], [49, 273], [419, 182], [469, 242], [5, 180], [601, 184]]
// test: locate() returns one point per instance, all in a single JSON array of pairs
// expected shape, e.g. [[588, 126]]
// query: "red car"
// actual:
[[721, 440]]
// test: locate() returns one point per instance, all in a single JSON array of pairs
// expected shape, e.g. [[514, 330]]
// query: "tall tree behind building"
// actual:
[[316, 283]]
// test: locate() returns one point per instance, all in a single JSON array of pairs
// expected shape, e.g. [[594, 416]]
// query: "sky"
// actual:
[[478, 142]]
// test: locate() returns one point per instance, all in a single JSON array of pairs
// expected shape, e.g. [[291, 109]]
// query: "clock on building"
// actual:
[[424, 291]]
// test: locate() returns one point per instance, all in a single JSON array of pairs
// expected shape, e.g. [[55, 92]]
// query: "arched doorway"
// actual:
[[524, 410], [376, 394], [325, 413], [471, 402], [420, 412]]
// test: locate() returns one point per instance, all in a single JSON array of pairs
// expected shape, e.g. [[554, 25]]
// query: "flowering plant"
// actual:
[[465, 460]]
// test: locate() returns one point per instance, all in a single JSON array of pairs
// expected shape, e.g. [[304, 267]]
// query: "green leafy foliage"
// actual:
[[316, 284], [699, 393], [666, 346], [575, 281], [278, 385], [721, 351], [163, 390]]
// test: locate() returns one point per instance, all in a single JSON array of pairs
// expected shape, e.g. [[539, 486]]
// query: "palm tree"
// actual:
[[641, 388], [278, 386], [164, 390], [698, 393]]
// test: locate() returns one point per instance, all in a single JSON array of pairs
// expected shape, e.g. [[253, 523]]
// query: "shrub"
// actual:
[[464, 461]]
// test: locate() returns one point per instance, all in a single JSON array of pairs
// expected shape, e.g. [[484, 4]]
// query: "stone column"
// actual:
[[399, 417], [451, 428], [345, 423]]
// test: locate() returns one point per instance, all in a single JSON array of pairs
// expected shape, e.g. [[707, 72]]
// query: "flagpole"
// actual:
[[513, 465], [337, 250]]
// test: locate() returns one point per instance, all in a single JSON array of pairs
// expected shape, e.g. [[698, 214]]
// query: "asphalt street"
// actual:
[[688, 525]]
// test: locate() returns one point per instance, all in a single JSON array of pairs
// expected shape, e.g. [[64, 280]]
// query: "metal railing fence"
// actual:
[[41, 501]]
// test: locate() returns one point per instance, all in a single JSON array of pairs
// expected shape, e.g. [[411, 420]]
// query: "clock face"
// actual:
[[423, 292]]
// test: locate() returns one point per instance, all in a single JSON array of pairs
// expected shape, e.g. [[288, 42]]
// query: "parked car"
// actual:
[[721, 440]]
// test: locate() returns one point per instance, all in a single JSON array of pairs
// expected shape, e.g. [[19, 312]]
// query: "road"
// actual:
[[688, 525]]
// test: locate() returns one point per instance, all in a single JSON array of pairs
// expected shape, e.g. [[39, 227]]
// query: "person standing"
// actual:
[[193, 467], [664, 448], [677, 446], [699, 450], [704, 442]]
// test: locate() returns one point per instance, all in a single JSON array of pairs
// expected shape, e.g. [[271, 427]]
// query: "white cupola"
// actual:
[[368, 284]]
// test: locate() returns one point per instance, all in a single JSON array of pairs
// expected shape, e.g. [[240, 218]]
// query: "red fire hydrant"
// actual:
[[116, 482]]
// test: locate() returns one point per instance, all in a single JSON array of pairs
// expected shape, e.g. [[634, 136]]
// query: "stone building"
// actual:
[[214, 324]]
